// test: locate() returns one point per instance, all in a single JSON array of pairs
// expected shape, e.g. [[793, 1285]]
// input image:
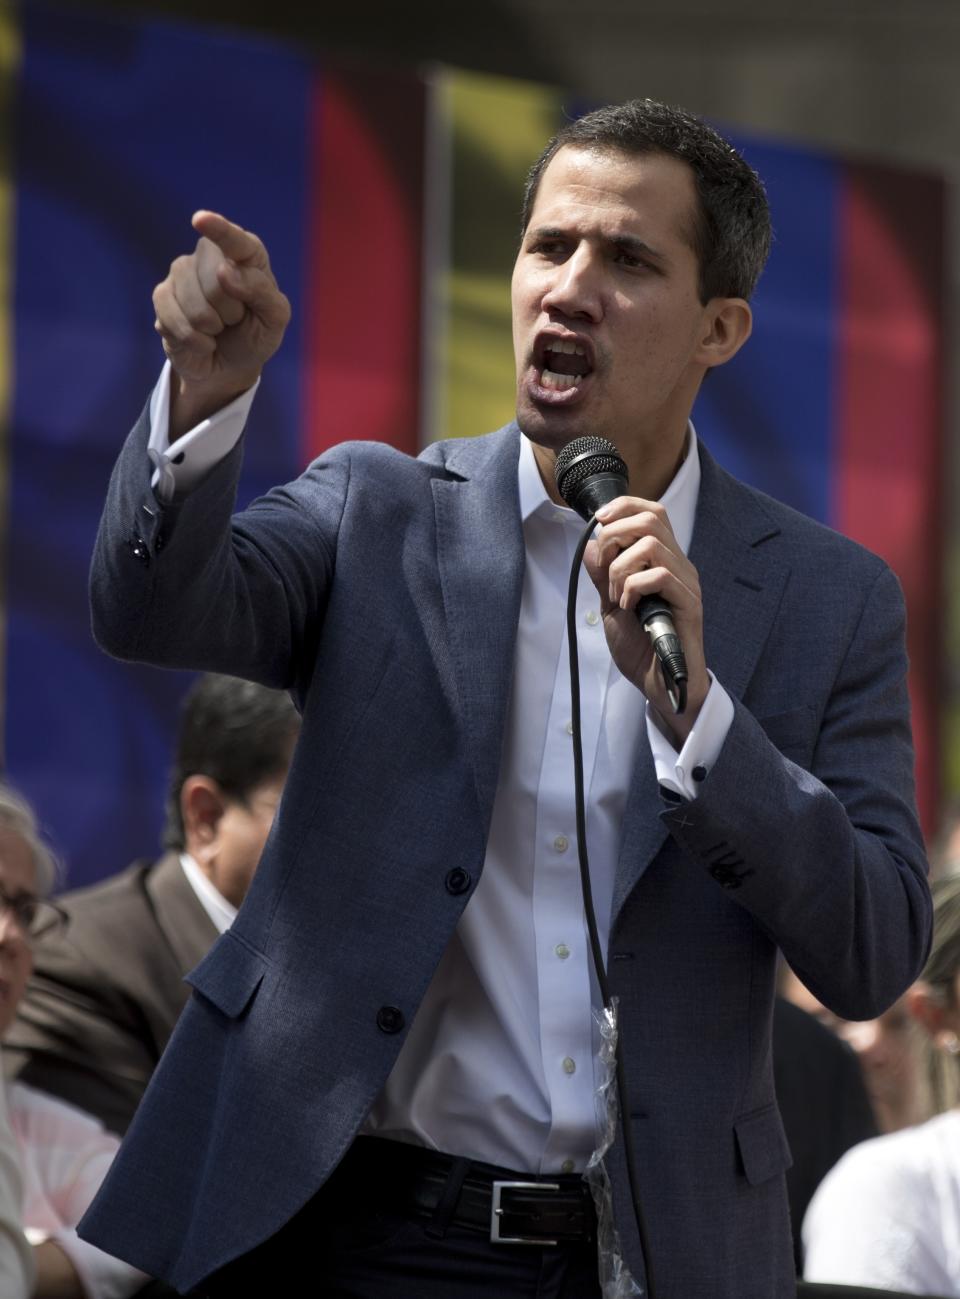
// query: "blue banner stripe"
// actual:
[[123, 130]]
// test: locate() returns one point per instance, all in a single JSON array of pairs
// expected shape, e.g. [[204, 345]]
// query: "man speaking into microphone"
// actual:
[[384, 1083]]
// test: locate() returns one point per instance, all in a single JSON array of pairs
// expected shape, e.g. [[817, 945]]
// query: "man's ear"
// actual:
[[729, 324], [202, 805]]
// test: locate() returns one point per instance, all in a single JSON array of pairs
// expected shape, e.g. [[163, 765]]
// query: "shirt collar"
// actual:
[[221, 912], [679, 500]]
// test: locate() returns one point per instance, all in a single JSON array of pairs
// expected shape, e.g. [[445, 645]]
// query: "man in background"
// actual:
[[108, 989]]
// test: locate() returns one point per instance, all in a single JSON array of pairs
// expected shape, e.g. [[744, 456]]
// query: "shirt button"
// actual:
[[562, 950], [558, 516], [569, 1065], [561, 843], [592, 618], [569, 728], [699, 773], [567, 1166]]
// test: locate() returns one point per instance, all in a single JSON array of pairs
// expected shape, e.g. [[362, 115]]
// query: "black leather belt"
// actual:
[[513, 1208]]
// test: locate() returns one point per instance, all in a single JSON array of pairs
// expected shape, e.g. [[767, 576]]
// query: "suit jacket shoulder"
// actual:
[[107, 991]]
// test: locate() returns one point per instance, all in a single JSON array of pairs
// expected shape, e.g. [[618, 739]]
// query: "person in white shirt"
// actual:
[[17, 1266], [63, 1154], [888, 1214]]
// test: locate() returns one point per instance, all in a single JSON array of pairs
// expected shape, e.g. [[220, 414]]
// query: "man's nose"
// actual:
[[576, 288]]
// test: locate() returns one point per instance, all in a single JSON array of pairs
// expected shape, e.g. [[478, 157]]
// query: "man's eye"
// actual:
[[624, 258], [550, 247]]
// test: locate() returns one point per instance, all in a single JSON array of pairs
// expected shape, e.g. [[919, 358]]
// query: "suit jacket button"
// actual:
[[458, 881], [390, 1019], [139, 549]]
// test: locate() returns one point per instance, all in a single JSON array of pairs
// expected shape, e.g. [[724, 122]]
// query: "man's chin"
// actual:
[[550, 429]]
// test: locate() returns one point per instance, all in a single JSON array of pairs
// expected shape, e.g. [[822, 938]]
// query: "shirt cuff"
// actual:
[[179, 467], [682, 773]]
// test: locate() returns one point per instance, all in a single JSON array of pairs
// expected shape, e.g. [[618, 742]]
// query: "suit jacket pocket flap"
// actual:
[[762, 1144], [229, 975]]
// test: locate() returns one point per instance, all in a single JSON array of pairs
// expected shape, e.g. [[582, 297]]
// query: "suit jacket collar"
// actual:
[[480, 558], [188, 930]]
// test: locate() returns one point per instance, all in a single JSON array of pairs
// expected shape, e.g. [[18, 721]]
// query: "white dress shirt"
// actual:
[[499, 1063], [65, 1155], [221, 912], [17, 1268]]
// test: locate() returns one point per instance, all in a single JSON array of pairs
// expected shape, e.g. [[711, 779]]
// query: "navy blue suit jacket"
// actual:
[[384, 592]]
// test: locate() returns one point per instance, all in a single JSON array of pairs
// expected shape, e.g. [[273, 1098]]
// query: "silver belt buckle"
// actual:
[[496, 1212]]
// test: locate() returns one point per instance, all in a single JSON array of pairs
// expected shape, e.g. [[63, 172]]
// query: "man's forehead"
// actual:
[[636, 188], [17, 871]]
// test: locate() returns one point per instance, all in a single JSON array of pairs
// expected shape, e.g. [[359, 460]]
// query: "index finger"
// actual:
[[627, 519], [623, 507], [233, 241]]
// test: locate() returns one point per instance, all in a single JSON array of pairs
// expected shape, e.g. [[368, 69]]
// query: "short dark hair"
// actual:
[[237, 733], [732, 233]]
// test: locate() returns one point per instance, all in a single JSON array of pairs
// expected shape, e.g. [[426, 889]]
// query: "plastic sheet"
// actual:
[[616, 1280]]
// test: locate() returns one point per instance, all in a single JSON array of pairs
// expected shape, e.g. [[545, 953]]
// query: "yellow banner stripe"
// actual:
[[497, 129]]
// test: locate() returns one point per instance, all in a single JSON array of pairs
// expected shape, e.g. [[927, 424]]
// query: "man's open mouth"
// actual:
[[562, 362]]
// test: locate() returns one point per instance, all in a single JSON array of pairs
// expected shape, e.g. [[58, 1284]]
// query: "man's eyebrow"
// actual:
[[21, 895], [547, 232], [629, 243], [637, 246]]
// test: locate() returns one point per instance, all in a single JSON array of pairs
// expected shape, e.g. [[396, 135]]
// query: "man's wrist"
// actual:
[[683, 768], [192, 403], [676, 727]]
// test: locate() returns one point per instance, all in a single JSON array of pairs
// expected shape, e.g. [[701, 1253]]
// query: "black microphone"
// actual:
[[590, 472]]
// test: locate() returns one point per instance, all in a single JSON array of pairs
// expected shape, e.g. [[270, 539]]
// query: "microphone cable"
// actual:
[[588, 907]]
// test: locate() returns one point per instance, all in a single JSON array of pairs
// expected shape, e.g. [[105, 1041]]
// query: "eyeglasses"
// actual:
[[33, 916]]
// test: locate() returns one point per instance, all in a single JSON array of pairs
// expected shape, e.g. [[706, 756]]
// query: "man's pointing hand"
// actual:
[[220, 316]]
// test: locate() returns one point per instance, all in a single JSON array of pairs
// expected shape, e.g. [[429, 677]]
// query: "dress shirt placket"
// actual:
[[564, 974]]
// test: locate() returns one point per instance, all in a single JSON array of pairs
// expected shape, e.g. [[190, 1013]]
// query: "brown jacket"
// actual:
[[107, 991]]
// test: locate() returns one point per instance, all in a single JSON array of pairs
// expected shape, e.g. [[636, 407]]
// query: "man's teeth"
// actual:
[[550, 379], [568, 373]]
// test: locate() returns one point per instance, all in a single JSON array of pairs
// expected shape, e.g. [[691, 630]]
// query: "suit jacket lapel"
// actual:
[[742, 581], [480, 559], [188, 929]]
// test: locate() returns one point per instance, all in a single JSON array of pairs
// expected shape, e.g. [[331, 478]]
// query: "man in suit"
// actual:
[[399, 1030], [107, 989]]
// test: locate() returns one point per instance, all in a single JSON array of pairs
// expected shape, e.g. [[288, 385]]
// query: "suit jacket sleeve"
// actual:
[[825, 851], [249, 597]]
